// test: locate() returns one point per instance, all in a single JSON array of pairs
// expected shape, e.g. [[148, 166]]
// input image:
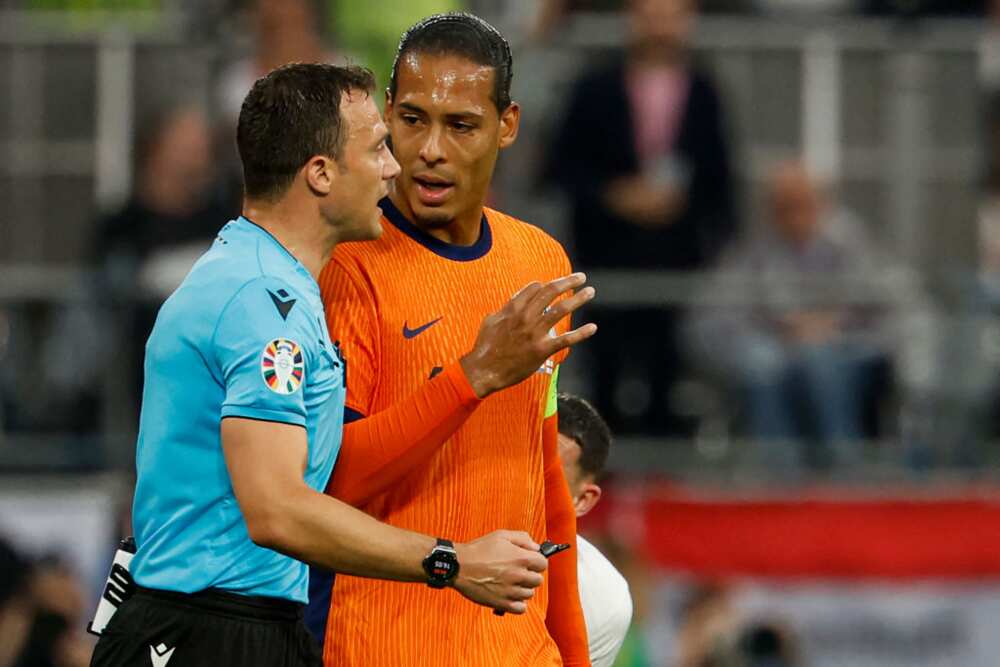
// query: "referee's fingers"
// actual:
[[521, 539], [529, 579], [520, 594], [513, 607]]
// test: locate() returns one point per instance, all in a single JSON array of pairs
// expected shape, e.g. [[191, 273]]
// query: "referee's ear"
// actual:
[[319, 173]]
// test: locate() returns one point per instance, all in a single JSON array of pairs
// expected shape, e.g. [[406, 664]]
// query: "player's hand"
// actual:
[[500, 570], [515, 341]]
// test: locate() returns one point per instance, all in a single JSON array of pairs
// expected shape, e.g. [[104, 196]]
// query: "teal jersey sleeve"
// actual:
[[263, 349]]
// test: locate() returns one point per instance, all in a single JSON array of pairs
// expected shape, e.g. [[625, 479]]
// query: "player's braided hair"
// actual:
[[462, 34], [580, 421], [289, 116]]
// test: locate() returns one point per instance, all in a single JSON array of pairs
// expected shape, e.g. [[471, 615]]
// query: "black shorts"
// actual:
[[211, 629]]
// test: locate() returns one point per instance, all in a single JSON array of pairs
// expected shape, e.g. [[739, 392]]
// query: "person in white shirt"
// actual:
[[584, 442]]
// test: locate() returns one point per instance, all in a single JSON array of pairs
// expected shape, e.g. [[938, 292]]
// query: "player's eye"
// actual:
[[410, 119], [462, 127]]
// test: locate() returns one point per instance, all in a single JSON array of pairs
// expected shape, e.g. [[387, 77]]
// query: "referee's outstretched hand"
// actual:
[[500, 570], [516, 340]]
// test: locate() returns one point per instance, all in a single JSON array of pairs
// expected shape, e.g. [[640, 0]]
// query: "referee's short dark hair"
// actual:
[[289, 116], [580, 421], [462, 34]]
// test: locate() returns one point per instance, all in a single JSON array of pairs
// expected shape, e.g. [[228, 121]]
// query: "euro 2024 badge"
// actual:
[[282, 366]]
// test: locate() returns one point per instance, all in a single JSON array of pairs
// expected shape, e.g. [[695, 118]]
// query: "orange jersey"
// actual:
[[401, 308]]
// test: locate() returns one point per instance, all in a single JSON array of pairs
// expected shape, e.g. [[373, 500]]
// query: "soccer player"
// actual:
[[584, 442], [405, 305], [244, 399]]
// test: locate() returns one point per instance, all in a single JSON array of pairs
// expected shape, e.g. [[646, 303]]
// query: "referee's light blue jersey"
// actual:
[[243, 336]]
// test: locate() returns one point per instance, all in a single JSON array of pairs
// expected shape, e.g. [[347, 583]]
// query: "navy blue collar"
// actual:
[[458, 253]]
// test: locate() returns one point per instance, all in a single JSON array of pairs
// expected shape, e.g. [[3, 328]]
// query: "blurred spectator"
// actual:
[[708, 618], [15, 606], [766, 644], [801, 368], [643, 156], [146, 248], [41, 614], [714, 633], [371, 29], [285, 31]]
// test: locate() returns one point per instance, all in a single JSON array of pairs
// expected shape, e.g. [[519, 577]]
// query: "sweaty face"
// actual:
[[446, 134], [363, 171]]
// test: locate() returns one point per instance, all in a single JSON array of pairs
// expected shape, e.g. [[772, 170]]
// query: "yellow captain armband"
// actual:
[[552, 400]]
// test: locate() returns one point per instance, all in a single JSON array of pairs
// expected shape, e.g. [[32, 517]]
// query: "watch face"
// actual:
[[441, 566]]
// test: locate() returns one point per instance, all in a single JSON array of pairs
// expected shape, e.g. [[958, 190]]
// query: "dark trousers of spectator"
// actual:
[[809, 393], [634, 364]]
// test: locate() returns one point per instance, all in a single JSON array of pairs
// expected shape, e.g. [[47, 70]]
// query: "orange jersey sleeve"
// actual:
[[377, 451], [352, 318], [564, 618]]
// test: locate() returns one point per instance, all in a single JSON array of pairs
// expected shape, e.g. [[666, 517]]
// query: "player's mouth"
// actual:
[[433, 190]]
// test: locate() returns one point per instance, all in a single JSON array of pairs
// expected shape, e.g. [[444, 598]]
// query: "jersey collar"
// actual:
[[257, 229], [458, 253]]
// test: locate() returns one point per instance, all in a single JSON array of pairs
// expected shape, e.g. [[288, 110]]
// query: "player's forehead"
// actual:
[[445, 83], [361, 117]]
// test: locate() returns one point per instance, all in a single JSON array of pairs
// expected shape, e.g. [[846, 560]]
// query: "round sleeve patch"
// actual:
[[282, 366]]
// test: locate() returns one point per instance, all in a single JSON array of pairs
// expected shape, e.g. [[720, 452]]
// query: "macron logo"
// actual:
[[160, 655]]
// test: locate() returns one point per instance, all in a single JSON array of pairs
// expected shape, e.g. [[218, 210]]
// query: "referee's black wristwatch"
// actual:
[[441, 564]]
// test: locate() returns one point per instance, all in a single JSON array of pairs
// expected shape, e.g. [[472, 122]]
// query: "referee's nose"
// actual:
[[390, 169]]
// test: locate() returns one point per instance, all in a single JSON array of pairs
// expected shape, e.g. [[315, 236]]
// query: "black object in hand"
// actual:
[[547, 549]]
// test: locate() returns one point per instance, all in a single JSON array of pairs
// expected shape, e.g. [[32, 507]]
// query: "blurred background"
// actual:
[[790, 210]]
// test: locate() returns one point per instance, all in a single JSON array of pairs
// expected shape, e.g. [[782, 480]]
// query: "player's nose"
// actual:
[[431, 151]]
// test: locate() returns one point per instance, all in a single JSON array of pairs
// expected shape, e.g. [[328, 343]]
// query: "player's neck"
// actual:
[[462, 230], [307, 240]]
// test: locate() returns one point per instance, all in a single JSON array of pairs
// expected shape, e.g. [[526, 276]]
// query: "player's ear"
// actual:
[[589, 494], [510, 121], [320, 171], [388, 105]]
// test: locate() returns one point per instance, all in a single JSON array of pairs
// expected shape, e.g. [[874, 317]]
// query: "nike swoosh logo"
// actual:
[[413, 333], [284, 307], [160, 655]]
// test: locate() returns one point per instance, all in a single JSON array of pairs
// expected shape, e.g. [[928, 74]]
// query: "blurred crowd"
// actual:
[[42, 614], [643, 150]]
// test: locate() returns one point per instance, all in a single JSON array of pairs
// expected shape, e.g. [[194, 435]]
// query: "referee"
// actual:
[[242, 411]]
